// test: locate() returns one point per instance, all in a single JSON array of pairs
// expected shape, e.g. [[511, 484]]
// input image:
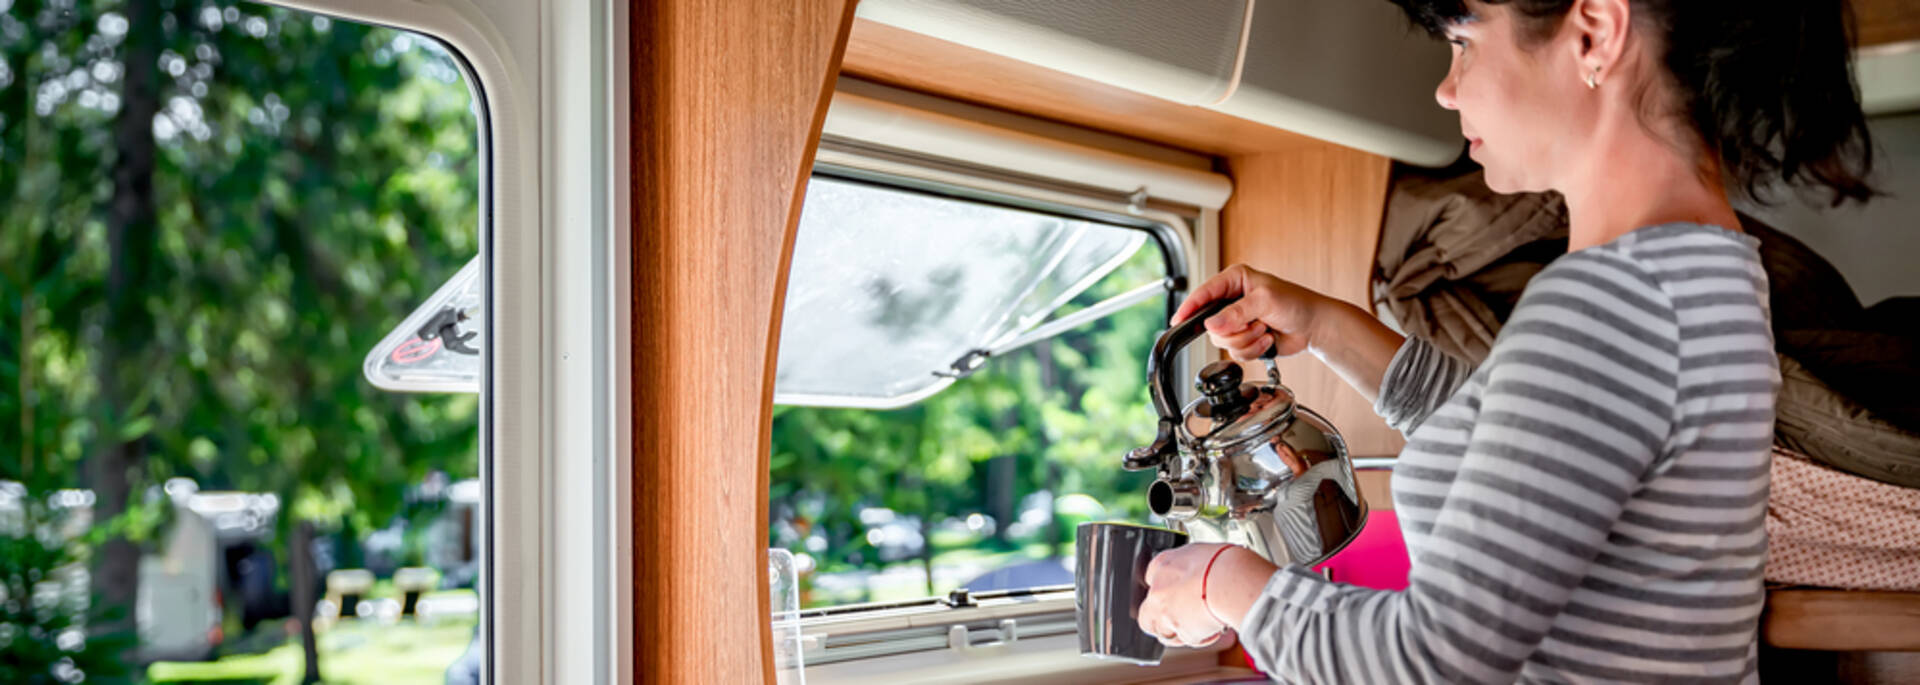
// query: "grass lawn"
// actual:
[[351, 653]]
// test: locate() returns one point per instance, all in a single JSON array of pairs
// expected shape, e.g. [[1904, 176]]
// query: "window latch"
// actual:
[[960, 598], [445, 325], [966, 364]]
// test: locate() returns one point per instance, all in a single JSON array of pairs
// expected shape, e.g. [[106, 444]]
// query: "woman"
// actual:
[[1588, 503]]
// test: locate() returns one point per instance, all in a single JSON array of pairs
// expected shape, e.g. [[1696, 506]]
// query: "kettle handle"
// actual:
[[1160, 366]]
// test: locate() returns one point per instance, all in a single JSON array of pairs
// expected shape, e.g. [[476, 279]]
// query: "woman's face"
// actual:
[[1519, 105]]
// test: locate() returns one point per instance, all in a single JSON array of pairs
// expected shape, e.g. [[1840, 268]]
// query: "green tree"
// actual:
[[45, 617], [215, 211]]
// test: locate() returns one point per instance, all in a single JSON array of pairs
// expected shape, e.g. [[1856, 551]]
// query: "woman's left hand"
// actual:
[[1174, 610]]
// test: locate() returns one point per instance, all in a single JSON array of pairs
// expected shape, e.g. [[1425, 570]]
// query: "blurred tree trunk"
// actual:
[[301, 575], [132, 228], [1057, 533], [926, 549], [27, 438], [1002, 482]]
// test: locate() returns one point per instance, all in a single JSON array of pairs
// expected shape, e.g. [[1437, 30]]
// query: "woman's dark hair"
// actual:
[[1766, 84]]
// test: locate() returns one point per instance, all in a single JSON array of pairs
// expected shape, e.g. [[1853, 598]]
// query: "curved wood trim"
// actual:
[[764, 454], [728, 102]]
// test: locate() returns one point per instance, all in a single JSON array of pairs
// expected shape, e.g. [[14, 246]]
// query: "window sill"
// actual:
[[1022, 638], [1054, 659]]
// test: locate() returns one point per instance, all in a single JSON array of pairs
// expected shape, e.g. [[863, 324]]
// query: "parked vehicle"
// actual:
[[211, 554]]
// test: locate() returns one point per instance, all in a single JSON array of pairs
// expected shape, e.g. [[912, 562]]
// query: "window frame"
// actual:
[[551, 82], [1185, 237]]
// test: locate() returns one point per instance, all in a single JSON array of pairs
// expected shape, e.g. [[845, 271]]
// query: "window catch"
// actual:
[[959, 598], [445, 325], [966, 365]]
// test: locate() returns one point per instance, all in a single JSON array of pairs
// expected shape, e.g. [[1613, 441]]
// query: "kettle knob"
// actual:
[[1219, 381]]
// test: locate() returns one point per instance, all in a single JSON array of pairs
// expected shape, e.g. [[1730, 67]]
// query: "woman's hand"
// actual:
[[1175, 610], [1271, 312]]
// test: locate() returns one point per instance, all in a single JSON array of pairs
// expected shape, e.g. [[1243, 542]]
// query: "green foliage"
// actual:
[[311, 182], [314, 181], [45, 631], [1063, 412]]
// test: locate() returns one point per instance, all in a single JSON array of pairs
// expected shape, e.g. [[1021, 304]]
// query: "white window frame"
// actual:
[[551, 78]]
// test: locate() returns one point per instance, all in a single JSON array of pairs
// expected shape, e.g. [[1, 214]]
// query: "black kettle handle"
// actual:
[[1160, 366]]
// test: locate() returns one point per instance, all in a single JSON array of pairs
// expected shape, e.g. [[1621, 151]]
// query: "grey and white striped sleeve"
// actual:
[[1578, 400], [1419, 379]]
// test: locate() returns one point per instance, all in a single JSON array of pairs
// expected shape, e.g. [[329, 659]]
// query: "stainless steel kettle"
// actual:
[[1244, 463]]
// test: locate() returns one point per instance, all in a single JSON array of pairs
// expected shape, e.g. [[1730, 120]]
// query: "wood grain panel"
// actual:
[[1842, 620], [1882, 22], [1376, 487], [1312, 216], [728, 101], [904, 59]]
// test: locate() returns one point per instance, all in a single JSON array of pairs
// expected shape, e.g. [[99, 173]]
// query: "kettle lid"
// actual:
[[1231, 411]]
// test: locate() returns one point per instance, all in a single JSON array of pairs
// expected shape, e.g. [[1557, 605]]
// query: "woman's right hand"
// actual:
[[1271, 311]]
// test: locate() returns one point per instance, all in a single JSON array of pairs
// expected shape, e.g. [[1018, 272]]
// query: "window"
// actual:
[[959, 375], [218, 210]]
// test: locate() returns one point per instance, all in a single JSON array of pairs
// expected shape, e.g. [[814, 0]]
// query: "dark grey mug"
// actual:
[[1109, 582]]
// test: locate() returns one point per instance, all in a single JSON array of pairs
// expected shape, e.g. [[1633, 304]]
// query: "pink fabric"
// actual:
[[1377, 558], [1830, 528]]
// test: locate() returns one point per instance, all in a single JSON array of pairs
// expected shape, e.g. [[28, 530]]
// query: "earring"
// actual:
[[1593, 78]]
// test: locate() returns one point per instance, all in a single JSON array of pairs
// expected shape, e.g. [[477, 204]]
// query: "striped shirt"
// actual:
[[1586, 505]]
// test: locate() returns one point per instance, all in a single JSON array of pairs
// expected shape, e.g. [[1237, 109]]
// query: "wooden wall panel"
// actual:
[[728, 101], [1882, 22], [1312, 216], [904, 59]]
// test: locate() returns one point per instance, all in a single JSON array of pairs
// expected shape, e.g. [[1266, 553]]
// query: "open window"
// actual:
[[961, 368], [925, 438], [896, 294]]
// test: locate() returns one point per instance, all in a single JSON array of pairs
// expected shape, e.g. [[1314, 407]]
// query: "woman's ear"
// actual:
[[1600, 36]]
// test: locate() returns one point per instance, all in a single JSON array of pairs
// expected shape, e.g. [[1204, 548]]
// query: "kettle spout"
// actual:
[[1174, 500]]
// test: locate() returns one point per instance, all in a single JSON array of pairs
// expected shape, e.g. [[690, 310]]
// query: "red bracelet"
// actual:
[[1204, 576]]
